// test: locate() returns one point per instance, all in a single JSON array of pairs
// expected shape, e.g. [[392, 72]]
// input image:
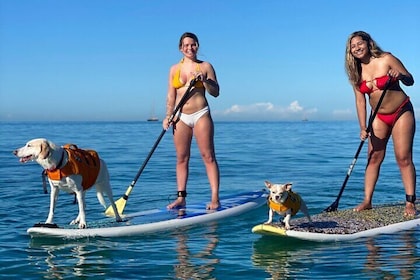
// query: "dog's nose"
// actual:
[[15, 152]]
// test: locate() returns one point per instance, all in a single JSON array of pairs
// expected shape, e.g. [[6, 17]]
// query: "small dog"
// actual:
[[70, 169], [284, 202]]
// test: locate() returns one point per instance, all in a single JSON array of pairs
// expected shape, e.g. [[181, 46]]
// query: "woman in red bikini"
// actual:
[[194, 117], [369, 69]]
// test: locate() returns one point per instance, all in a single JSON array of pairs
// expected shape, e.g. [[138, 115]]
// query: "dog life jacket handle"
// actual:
[[71, 146]]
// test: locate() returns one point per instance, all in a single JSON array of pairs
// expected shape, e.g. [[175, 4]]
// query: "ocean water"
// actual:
[[315, 156]]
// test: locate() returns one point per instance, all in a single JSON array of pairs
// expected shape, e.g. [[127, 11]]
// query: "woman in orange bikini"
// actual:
[[194, 117], [369, 69]]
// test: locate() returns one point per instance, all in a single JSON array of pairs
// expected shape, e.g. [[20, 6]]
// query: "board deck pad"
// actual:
[[154, 220], [345, 224]]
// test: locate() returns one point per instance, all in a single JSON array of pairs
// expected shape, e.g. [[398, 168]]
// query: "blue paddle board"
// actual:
[[155, 220]]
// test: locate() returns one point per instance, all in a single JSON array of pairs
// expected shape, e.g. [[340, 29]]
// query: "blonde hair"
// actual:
[[352, 64]]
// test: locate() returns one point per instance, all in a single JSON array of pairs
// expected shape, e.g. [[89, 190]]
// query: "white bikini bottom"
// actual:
[[192, 119]]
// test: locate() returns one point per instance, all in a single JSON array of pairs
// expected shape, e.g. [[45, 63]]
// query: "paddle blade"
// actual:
[[120, 204], [332, 207]]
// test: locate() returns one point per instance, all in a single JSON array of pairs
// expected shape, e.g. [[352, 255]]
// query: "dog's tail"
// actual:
[[101, 199]]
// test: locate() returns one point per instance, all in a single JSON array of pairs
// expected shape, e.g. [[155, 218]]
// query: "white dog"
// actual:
[[284, 202], [71, 169]]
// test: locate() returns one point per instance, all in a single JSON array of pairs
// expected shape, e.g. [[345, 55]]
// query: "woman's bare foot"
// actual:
[[410, 209], [178, 203], [363, 206], [213, 205]]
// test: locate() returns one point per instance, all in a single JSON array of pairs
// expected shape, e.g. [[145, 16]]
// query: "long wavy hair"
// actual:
[[352, 64]]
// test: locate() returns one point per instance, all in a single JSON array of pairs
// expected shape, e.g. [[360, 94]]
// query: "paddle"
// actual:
[[120, 203], [334, 205]]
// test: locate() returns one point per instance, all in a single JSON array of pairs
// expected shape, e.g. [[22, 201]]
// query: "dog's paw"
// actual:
[[282, 224], [82, 225]]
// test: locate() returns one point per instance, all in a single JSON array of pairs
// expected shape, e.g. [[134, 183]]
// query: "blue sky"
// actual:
[[109, 60]]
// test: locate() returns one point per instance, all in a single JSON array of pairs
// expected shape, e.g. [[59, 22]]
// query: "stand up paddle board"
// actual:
[[155, 220], [344, 225]]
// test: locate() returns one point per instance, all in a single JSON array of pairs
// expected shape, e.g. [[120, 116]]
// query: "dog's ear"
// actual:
[[288, 186], [267, 184], [45, 150]]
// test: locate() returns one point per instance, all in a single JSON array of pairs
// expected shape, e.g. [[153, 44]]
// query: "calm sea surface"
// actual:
[[314, 156]]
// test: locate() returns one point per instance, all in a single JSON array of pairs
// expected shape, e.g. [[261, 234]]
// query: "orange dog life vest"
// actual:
[[292, 202], [80, 162]]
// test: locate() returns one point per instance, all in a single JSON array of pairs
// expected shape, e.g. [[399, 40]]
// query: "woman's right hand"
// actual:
[[165, 123], [363, 134]]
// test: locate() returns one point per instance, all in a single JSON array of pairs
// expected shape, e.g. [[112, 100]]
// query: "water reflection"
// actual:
[[183, 254], [397, 259], [279, 256], [58, 259], [196, 257], [392, 256]]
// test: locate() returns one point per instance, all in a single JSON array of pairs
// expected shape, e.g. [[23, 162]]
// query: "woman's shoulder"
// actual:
[[174, 67], [202, 62], [205, 64], [386, 55], [389, 58], [385, 58]]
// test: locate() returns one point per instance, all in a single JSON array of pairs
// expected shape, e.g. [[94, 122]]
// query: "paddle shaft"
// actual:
[[334, 205], [170, 120]]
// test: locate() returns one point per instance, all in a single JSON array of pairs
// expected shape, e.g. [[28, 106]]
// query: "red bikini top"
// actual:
[[379, 83]]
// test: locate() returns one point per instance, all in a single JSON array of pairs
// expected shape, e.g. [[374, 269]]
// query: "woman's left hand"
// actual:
[[394, 73], [199, 76]]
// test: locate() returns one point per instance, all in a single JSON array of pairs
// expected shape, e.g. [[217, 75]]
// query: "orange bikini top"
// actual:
[[178, 83]]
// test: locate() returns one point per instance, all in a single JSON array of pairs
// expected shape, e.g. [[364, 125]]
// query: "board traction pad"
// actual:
[[349, 221]]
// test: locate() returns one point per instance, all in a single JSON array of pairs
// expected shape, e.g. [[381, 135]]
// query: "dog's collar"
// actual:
[[58, 166]]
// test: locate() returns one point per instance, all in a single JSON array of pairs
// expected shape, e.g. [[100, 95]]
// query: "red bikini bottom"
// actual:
[[390, 119]]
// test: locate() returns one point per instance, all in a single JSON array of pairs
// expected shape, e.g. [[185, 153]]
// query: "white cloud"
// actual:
[[295, 107], [267, 111], [253, 108]]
